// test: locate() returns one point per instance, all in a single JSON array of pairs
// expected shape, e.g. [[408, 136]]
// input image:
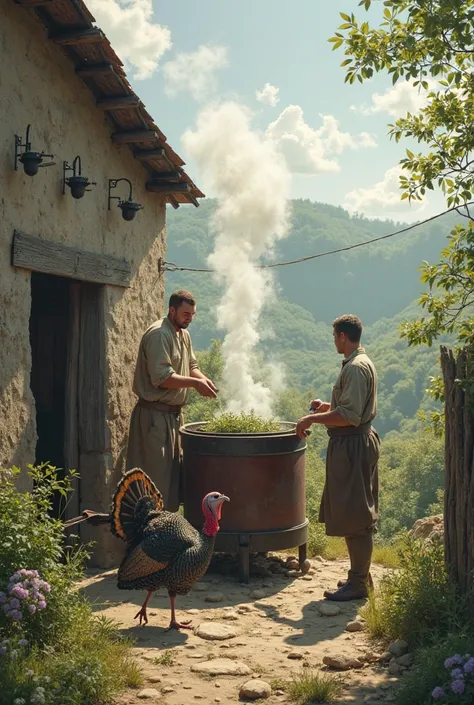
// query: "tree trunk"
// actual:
[[459, 479]]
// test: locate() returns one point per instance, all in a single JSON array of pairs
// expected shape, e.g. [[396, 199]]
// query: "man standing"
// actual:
[[349, 506], [165, 371]]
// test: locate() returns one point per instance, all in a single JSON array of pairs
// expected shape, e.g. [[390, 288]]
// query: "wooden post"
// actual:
[[459, 478], [71, 437]]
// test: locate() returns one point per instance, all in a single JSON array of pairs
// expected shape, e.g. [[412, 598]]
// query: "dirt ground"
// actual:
[[279, 630]]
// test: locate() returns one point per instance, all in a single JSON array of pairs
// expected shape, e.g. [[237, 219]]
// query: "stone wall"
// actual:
[[38, 86]]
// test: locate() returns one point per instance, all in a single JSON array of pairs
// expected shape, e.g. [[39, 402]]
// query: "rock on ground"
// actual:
[[342, 663], [398, 648], [255, 689], [213, 631], [428, 527], [148, 694], [326, 609], [222, 667]]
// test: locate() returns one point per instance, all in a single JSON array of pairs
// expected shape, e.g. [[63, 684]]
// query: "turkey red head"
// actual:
[[212, 508]]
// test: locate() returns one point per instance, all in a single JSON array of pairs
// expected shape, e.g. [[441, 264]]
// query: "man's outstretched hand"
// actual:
[[205, 388]]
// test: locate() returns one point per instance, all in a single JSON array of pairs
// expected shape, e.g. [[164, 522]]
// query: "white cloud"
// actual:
[[195, 72], [397, 101], [382, 197], [137, 39], [308, 150], [268, 94]]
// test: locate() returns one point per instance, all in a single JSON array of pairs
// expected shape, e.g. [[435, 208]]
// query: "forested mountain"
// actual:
[[380, 283]]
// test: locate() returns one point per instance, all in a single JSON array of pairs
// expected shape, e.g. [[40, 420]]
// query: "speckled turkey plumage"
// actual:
[[164, 550]]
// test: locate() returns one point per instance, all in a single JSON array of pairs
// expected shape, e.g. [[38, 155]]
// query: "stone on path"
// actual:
[[355, 626], [148, 694], [255, 689], [258, 594], [214, 597], [342, 663], [222, 667], [213, 631], [326, 609], [398, 648]]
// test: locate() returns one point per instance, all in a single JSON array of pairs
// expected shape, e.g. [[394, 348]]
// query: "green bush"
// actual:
[[53, 650], [418, 602]]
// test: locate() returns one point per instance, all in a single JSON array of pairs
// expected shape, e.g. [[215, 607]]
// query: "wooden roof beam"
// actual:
[[164, 187], [88, 70], [193, 200], [173, 201], [34, 3], [120, 102], [166, 175], [77, 37], [144, 154], [127, 136]]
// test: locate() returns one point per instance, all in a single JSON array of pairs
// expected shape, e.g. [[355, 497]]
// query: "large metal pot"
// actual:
[[264, 476]]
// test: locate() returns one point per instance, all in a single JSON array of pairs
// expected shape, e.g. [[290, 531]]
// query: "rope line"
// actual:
[[172, 267]]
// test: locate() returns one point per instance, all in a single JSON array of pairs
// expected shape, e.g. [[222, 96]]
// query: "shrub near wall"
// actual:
[[53, 650]]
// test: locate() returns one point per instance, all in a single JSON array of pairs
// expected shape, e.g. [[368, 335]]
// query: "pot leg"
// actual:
[[244, 560], [302, 553]]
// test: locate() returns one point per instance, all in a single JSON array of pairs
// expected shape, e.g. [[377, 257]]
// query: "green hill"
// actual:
[[380, 283]]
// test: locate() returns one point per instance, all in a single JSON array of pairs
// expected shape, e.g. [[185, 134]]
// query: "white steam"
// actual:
[[252, 183]]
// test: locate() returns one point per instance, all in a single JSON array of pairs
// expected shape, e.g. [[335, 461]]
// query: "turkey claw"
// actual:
[[142, 615], [179, 625]]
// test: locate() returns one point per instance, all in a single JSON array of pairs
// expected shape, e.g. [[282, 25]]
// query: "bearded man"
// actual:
[[166, 370]]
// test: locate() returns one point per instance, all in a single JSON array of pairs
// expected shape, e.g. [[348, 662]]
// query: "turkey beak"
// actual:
[[222, 499]]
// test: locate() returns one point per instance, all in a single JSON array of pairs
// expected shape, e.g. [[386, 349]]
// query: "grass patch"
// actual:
[[387, 554], [310, 687], [165, 659], [418, 603], [334, 548]]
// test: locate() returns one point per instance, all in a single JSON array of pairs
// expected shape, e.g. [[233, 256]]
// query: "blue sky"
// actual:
[[181, 56]]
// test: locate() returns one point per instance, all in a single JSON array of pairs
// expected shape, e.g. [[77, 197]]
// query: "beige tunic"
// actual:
[[153, 443], [349, 505]]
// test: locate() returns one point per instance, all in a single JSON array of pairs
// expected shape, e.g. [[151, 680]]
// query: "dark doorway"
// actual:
[[49, 333]]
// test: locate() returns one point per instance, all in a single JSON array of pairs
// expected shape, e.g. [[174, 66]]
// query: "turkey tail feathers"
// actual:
[[136, 495]]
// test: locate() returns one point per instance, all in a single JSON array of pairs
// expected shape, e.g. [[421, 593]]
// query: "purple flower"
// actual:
[[458, 687], [3, 650], [22, 642], [437, 693], [469, 666], [16, 615], [42, 605], [455, 660], [14, 603], [19, 592], [46, 587], [31, 609], [6, 607]]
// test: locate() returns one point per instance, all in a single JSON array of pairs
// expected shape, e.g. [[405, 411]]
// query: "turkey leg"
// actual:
[[142, 613], [173, 623]]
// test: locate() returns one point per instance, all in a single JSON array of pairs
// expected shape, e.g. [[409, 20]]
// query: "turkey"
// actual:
[[163, 549]]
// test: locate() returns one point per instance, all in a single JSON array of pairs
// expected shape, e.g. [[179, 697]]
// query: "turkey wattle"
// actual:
[[164, 550]]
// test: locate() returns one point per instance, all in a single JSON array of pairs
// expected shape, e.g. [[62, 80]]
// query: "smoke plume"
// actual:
[[251, 182]]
